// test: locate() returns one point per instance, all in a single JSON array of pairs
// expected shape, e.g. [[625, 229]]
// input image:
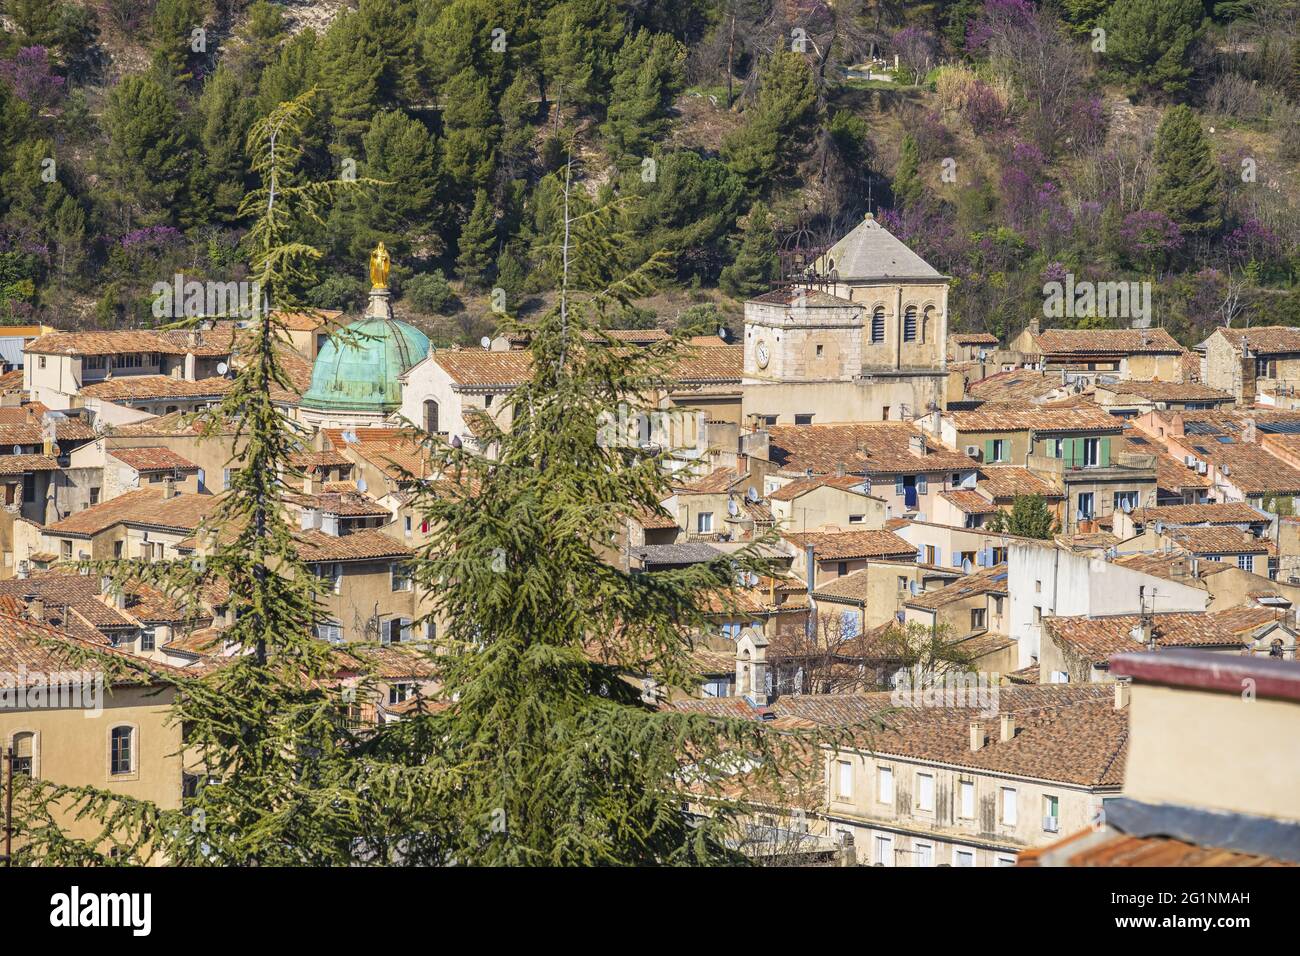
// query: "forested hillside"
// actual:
[[1012, 144]]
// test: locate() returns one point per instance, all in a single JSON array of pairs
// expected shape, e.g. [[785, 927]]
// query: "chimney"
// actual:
[[976, 736], [1008, 728], [169, 487], [1121, 694], [310, 483], [916, 445], [1035, 326], [810, 569], [308, 519], [47, 447], [35, 609], [839, 469]]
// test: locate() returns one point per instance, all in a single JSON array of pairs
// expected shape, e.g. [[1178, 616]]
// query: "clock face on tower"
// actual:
[[760, 354]]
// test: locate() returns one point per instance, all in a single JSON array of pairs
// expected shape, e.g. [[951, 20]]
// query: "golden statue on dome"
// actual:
[[379, 265]]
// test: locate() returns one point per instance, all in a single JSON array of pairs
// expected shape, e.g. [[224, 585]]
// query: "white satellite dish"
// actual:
[[723, 333], [222, 368], [1126, 505], [486, 342], [361, 484], [350, 437], [966, 566], [751, 495], [732, 507]]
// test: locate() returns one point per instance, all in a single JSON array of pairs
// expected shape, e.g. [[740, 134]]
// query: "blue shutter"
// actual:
[[898, 484], [920, 484], [956, 559], [920, 554]]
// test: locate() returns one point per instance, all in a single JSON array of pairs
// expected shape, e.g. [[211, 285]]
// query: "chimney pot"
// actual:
[[1008, 727], [169, 487], [1121, 694], [976, 736]]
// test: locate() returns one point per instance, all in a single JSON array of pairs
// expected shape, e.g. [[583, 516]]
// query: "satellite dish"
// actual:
[[350, 437], [222, 368], [966, 566], [732, 507], [486, 342], [913, 587], [723, 333], [361, 484], [1126, 506], [751, 495], [455, 441]]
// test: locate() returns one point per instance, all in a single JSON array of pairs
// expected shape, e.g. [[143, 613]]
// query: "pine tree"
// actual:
[[772, 138], [907, 185], [1029, 517], [173, 23], [1187, 184], [1151, 41], [147, 158], [471, 131], [757, 264], [648, 75], [478, 242], [224, 116]]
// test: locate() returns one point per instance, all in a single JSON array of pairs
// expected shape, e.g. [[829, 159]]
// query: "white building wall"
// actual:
[[1045, 580]]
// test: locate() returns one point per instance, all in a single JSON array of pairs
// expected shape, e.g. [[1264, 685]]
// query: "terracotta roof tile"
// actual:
[[1008, 417], [20, 464], [986, 581], [1088, 341], [1005, 482], [1168, 391], [152, 459], [145, 506], [148, 387], [969, 502], [1094, 640], [801, 486], [316, 546], [1264, 339], [1064, 733], [863, 448], [1228, 512], [844, 545]]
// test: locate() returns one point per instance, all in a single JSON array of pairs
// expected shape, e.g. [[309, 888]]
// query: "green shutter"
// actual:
[[988, 449], [1074, 449], [1103, 453]]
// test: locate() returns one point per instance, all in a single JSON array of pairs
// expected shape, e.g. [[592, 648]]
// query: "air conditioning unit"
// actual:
[[973, 451], [1050, 824], [1189, 461], [1202, 467]]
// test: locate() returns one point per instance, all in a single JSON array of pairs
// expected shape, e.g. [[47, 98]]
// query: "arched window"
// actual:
[[878, 324], [909, 324], [24, 745], [121, 754], [431, 416], [927, 323]]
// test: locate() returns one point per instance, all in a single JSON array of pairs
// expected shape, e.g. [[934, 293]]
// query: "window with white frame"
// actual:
[[845, 778], [1246, 562], [966, 794], [962, 857], [399, 576], [148, 639], [925, 791], [1091, 448], [1009, 815], [121, 756], [331, 631], [1001, 450], [1051, 813], [1003, 860], [923, 854], [704, 522], [885, 784], [884, 850], [398, 693], [331, 576]]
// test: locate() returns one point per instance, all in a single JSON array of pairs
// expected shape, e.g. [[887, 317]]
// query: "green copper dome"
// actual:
[[358, 371]]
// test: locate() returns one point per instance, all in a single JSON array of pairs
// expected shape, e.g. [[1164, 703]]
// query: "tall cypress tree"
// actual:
[[648, 74], [1188, 186], [907, 186], [1151, 41], [146, 162]]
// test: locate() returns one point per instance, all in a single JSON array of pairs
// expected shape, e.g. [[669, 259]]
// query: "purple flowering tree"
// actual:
[[1149, 237], [32, 78], [915, 48]]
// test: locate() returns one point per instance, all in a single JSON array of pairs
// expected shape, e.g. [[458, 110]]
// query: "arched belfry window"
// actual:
[[878, 324], [909, 324]]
